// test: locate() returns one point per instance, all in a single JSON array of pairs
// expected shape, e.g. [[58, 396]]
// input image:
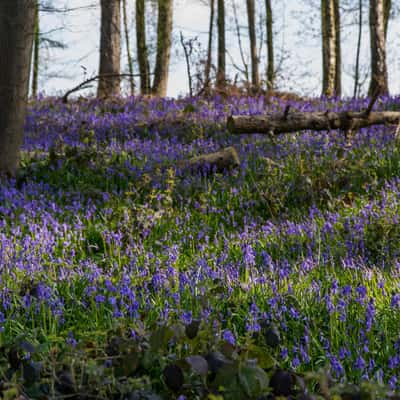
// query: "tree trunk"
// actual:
[[187, 50], [270, 46], [164, 42], [338, 51], [379, 75], [110, 48], [316, 121], [207, 69], [330, 28], [245, 70], [17, 22], [35, 66], [143, 58], [357, 67], [128, 49], [221, 78], [387, 5], [255, 78]]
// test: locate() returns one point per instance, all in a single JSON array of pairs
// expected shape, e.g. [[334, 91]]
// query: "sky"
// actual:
[[296, 35]]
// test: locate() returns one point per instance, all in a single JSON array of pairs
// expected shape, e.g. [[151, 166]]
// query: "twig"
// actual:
[[85, 82]]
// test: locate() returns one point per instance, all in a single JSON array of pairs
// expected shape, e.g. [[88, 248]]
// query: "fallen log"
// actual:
[[317, 121], [219, 161]]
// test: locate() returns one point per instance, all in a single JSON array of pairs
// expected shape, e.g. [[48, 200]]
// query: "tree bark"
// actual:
[[164, 42], [338, 50], [17, 21], [255, 78], [357, 66], [330, 27], [221, 78], [316, 121], [110, 48], [379, 74], [270, 47], [387, 5], [128, 49], [35, 66], [142, 55], [187, 51], [245, 70], [207, 70]]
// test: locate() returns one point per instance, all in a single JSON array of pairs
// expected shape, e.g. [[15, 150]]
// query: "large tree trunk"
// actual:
[[255, 78], [270, 46], [207, 69], [164, 42], [17, 21], [317, 121], [330, 28], [221, 78], [128, 49], [35, 66], [387, 5], [110, 48], [379, 75], [143, 58]]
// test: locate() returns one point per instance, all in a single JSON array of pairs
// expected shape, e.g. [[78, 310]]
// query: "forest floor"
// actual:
[[124, 276]]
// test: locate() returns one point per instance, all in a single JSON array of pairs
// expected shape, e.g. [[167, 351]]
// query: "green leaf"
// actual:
[[159, 339], [198, 364], [227, 383], [253, 380], [189, 108], [263, 357]]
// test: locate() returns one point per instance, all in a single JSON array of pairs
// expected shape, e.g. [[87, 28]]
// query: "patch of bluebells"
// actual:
[[155, 248]]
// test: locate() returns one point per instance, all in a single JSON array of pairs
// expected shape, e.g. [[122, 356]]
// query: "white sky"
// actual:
[[298, 36]]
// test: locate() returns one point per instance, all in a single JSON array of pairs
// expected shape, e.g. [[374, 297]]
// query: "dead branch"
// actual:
[[83, 85], [316, 121]]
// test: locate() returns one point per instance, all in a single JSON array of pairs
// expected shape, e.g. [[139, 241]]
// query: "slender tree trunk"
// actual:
[[330, 57], [128, 49], [245, 70], [379, 75], [255, 78], [338, 51], [207, 69], [17, 22], [357, 67], [270, 47], [110, 48], [35, 66], [143, 58], [221, 77], [187, 50], [164, 42]]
